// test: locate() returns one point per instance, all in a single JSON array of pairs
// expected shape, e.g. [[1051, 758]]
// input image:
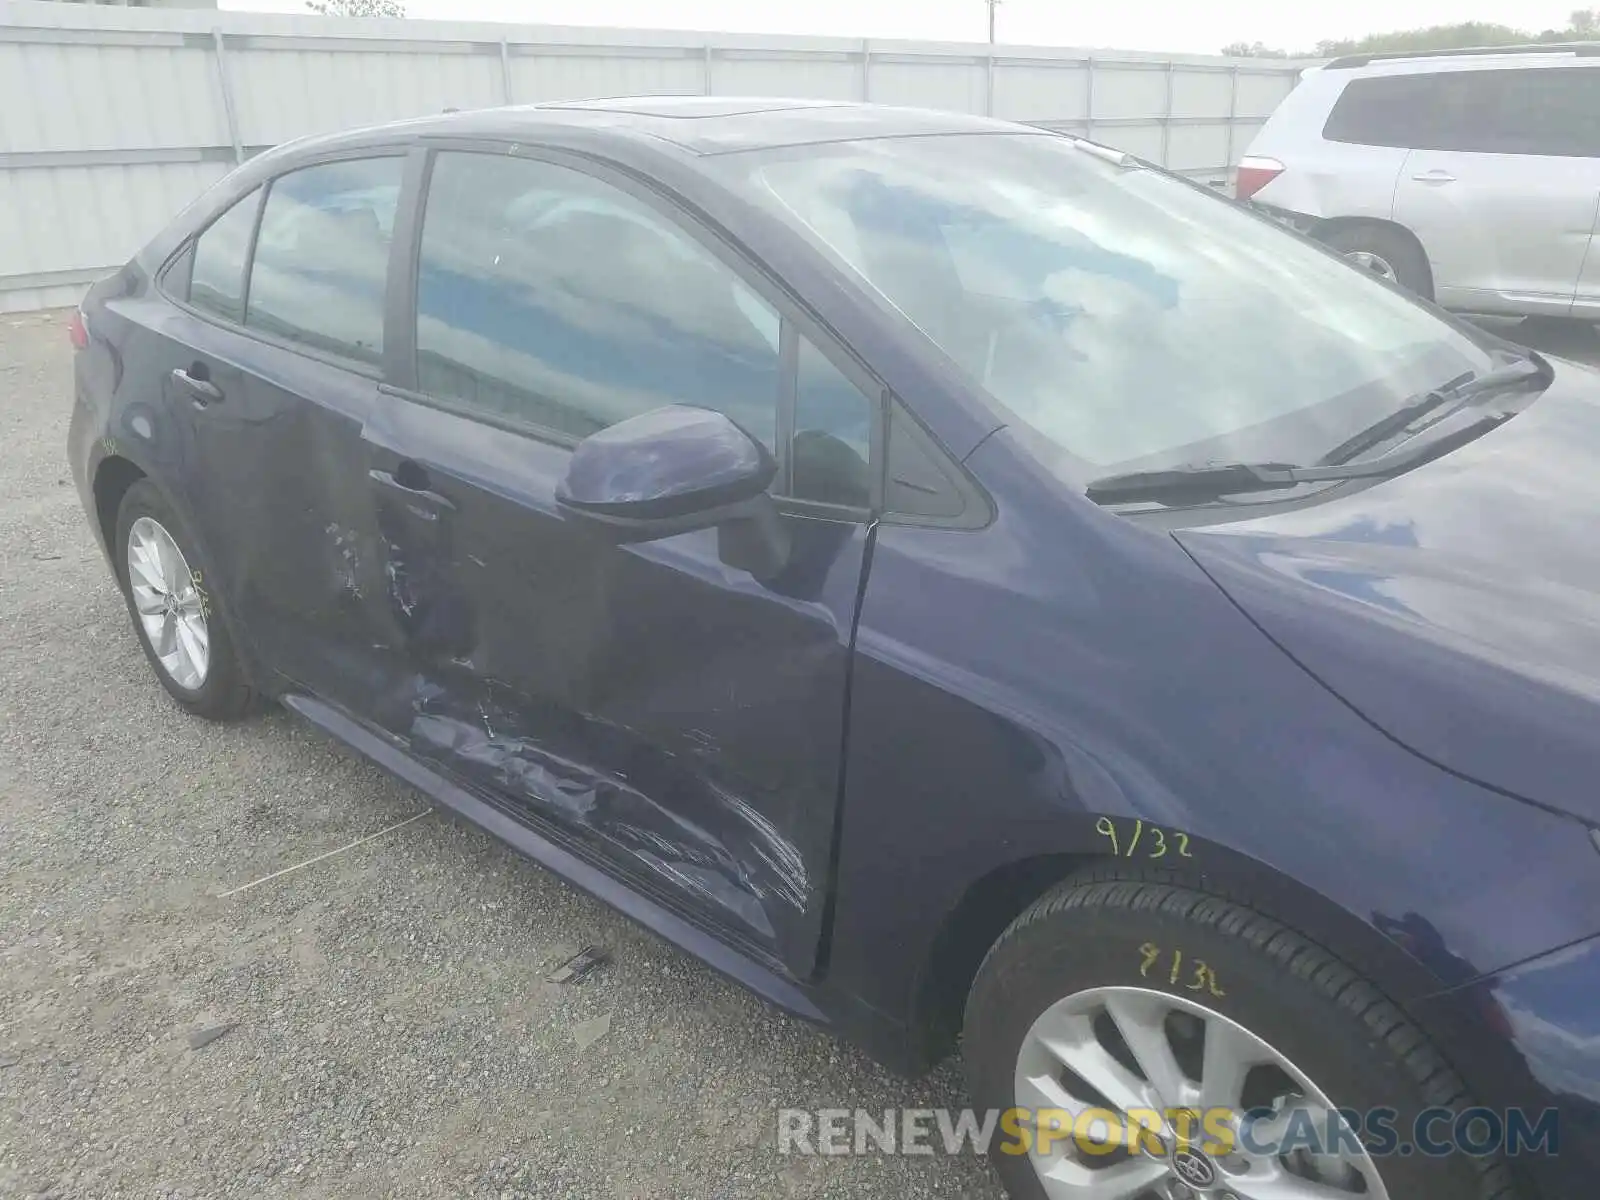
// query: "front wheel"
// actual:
[[1172, 1046]]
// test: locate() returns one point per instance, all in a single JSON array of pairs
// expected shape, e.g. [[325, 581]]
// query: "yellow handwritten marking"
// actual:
[[1206, 978], [1104, 826], [1202, 977], [1107, 828]]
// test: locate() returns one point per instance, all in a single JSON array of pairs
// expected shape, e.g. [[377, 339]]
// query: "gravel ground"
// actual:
[[389, 1028]]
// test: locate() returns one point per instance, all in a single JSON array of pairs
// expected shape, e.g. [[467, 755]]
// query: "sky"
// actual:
[[1170, 25]]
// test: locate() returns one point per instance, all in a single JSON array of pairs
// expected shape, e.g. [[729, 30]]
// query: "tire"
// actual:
[[220, 691], [1407, 264], [1335, 1028]]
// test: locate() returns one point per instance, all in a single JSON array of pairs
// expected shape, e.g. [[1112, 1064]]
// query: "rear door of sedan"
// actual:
[[647, 705], [268, 368]]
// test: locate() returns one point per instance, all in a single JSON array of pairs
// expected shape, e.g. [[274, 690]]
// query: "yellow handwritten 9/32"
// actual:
[[1154, 839], [1193, 973]]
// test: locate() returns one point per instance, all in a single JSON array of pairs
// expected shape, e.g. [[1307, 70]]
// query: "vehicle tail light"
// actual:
[[1254, 174], [77, 331]]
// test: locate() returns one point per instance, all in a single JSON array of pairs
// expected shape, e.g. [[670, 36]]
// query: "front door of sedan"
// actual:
[[648, 704]]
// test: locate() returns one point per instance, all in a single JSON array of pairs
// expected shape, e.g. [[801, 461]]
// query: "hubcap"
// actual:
[[1375, 263], [1131, 1050], [171, 607]]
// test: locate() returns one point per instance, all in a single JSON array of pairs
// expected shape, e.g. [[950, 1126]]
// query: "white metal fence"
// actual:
[[111, 119]]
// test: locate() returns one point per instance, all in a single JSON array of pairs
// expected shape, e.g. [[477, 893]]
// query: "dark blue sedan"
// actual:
[[957, 580]]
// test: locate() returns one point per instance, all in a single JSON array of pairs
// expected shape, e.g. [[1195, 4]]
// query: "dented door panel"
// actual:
[[649, 703]]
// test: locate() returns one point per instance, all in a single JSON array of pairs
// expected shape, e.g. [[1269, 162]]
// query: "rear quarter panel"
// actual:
[[1324, 179]]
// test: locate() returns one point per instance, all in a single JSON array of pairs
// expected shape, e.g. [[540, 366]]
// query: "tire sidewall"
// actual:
[[1080, 948], [216, 692]]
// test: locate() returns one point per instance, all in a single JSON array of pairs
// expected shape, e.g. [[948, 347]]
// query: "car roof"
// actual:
[[1402, 62], [695, 125]]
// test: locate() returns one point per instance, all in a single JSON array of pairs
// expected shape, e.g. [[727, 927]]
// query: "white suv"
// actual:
[[1469, 176]]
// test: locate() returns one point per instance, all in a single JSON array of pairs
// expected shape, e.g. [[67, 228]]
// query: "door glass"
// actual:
[[554, 299], [832, 434], [216, 283], [1545, 110], [1553, 111], [322, 256]]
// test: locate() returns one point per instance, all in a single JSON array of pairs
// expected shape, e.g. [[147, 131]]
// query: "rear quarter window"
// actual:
[[213, 278]]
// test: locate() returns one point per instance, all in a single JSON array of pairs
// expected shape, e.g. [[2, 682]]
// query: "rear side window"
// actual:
[[322, 256], [216, 279], [555, 299], [1546, 111]]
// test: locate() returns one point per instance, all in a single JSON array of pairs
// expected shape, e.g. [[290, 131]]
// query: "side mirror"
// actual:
[[674, 470]]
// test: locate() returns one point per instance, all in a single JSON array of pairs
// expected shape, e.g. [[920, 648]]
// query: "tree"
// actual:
[[357, 8], [1252, 50], [1582, 25]]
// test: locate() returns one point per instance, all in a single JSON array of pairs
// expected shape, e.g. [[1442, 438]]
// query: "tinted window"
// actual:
[[216, 281], [832, 434], [1550, 110], [549, 297], [322, 256]]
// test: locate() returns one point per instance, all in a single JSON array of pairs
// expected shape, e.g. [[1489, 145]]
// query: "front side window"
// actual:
[[216, 280], [554, 299], [322, 257], [832, 434], [1129, 318]]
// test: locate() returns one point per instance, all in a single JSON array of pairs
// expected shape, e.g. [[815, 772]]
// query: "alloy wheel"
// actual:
[[1126, 1049], [171, 606], [1376, 263]]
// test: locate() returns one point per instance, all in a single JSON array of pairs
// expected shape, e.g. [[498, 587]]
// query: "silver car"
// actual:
[[1469, 176]]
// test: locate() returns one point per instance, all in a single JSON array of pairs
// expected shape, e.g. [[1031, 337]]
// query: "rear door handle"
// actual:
[[412, 486], [1434, 176], [202, 391]]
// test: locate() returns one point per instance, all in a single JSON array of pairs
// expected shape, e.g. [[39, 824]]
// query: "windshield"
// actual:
[[1131, 319]]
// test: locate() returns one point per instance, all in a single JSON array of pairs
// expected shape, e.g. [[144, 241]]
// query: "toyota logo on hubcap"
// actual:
[[1194, 1169]]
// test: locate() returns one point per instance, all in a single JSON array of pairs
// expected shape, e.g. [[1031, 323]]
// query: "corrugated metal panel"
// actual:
[[31, 299], [540, 77], [111, 119], [76, 218], [958, 86], [1121, 92], [819, 77], [1039, 92]]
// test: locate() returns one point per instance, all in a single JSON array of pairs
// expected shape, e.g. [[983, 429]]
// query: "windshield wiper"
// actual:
[[1518, 374], [1197, 484]]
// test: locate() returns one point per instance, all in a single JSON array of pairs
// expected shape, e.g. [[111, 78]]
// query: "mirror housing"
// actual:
[[675, 470]]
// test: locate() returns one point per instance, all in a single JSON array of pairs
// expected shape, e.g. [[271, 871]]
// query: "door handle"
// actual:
[[1434, 176], [413, 486], [201, 390]]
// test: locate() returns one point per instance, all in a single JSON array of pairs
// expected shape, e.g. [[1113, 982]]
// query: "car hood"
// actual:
[[1456, 607]]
